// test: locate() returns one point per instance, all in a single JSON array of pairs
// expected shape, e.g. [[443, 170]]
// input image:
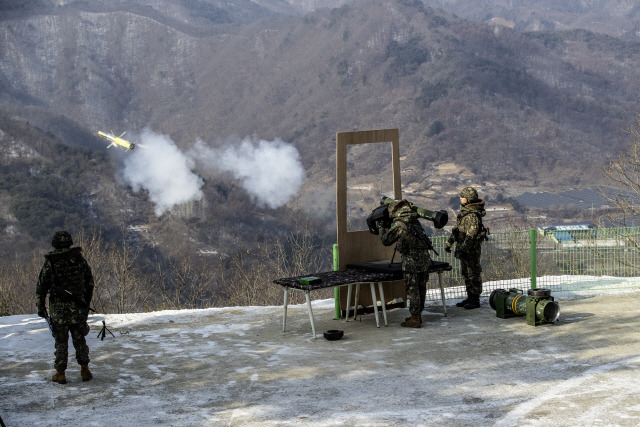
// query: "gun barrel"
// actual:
[[48, 319], [439, 218]]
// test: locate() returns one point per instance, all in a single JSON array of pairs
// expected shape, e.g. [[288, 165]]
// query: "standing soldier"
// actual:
[[413, 245], [468, 235], [66, 277]]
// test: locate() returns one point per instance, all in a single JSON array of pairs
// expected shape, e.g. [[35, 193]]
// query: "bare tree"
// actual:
[[7, 293], [94, 250], [18, 285], [624, 171], [248, 274], [242, 281], [187, 282], [128, 287], [120, 285]]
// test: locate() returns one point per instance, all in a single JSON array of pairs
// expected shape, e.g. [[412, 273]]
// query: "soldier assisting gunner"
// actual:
[[468, 235]]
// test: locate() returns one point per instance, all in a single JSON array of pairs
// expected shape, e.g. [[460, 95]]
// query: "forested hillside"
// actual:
[[477, 103], [619, 18]]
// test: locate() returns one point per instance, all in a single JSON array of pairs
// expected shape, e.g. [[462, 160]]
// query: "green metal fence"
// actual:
[[560, 260]]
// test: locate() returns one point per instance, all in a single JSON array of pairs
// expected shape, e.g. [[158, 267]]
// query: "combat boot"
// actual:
[[468, 284], [414, 321], [85, 373], [463, 302], [59, 377], [474, 302]]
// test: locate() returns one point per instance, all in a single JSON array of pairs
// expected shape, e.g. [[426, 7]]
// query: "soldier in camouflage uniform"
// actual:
[[413, 245], [66, 277], [467, 235]]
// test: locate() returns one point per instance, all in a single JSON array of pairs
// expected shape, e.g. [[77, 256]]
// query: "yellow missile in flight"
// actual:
[[117, 140]]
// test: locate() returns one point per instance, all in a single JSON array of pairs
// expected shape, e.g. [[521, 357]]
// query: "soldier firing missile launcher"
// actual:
[[380, 216]]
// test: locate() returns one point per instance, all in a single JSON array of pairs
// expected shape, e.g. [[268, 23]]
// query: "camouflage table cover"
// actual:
[[339, 278], [366, 272]]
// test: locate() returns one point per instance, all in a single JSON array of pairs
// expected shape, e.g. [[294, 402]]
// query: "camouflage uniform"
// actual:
[[66, 269], [467, 236], [413, 245]]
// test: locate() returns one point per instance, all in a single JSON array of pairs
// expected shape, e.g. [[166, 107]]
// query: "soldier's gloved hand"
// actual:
[[447, 249], [41, 313]]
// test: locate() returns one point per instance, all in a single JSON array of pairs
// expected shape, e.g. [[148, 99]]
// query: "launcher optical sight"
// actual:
[[538, 306], [380, 215]]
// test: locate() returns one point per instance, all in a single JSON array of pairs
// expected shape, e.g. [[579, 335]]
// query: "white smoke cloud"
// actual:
[[270, 171], [158, 166]]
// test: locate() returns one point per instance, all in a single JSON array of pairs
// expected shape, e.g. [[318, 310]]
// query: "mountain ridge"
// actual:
[[510, 108]]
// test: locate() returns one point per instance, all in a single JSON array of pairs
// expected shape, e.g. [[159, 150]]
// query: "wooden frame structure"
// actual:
[[362, 246]]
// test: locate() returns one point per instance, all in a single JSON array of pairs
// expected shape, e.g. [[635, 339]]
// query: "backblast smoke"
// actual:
[[270, 171]]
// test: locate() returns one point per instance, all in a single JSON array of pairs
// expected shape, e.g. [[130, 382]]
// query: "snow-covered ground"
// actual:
[[234, 367]]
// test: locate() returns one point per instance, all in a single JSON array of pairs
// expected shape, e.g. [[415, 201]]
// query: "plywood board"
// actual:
[[362, 246]]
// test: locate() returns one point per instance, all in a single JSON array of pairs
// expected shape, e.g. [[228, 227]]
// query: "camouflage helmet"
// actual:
[[469, 193], [61, 240]]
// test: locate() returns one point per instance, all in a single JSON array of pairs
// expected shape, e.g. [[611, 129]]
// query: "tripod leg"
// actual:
[[102, 331]]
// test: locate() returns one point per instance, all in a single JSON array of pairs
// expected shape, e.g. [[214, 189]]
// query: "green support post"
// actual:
[[336, 290], [532, 252]]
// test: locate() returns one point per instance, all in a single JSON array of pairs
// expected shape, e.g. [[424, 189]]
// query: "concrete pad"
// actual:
[[235, 367]]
